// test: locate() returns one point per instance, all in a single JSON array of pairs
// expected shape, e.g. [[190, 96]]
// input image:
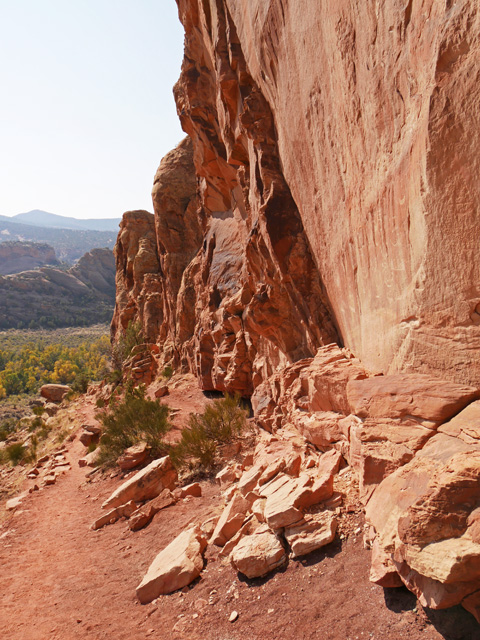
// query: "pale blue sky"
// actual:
[[86, 105]]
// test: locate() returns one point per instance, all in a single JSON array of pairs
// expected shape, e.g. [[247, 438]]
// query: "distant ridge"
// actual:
[[69, 244], [39, 218]]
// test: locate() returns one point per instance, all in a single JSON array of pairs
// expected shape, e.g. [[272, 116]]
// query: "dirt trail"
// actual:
[[60, 580]]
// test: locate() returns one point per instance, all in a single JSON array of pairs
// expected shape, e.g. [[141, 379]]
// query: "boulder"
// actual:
[[86, 438], [425, 515], [54, 392], [382, 568], [175, 567], [51, 409], [226, 476], [231, 520], [146, 484], [316, 532], [134, 456], [258, 554], [193, 489]]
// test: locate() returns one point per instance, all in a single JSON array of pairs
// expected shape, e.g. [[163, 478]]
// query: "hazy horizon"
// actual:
[[87, 110]]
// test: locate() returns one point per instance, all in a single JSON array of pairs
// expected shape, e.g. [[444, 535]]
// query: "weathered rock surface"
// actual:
[[258, 554], [360, 101], [174, 567], [122, 511], [142, 516], [231, 520], [145, 485], [23, 256], [48, 296], [325, 205], [54, 392], [315, 533], [134, 456], [425, 514]]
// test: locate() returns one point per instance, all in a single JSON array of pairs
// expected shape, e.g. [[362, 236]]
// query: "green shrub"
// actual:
[[7, 427], [221, 422], [44, 431], [38, 411], [80, 384], [167, 372], [100, 403], [130, 421], [15, 453], [130, 338]]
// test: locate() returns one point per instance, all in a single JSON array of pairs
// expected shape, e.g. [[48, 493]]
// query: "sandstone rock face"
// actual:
[[322, 261], [145, 485], [137, 264], [49, 296], [174, 567], [426, 516], [370, 166], [23, 256]]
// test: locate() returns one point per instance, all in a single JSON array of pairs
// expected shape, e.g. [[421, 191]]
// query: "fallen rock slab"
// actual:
[[193, 489], [146, 484], [231, 520], [175, 567], [407, 394], [141, 517], [258, 554], [123, 511], [318, 531]]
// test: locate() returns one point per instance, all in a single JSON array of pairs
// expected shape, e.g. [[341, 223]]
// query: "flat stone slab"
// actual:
[[145, 485], [175, 567]]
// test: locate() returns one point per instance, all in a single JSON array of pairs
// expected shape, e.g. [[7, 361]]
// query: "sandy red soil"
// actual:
[[60, 580]]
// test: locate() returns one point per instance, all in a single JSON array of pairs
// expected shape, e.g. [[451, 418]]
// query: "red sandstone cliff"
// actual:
[[327, 194]]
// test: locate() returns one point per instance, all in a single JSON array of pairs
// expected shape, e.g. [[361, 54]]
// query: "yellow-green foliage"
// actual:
[[25, 368]]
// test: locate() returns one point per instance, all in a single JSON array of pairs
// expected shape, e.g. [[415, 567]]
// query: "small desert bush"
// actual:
[[130, 421], [124, 345], [80, 384], [167, 372], [221, 422], [7, 427], [15, 453]]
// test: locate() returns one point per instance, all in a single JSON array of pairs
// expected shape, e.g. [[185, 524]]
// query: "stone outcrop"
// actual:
[[174, 567], [23, 256], [348, 145], [313, 247], [145, 485], [50, 297]]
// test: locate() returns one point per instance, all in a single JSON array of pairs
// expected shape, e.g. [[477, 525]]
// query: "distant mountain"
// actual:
[[40, 218], [69, 244]]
